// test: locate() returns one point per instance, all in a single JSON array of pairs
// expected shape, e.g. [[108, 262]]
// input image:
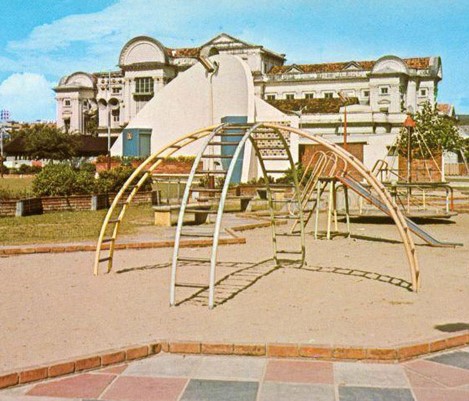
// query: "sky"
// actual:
[[43, 40]]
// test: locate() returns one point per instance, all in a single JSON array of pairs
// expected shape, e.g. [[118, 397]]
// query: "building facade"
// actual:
[[376, 95]]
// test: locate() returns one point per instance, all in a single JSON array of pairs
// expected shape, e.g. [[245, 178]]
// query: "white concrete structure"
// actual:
[[204, 98], [379, 93]]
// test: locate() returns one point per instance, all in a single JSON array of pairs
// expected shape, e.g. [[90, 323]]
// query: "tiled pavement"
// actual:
[[171, 377]]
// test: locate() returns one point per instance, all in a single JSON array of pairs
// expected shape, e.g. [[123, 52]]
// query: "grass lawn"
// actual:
[[15, 184], [67, 226]]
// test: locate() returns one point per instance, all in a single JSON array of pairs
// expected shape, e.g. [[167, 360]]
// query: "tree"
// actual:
[[433, 133], [43, 141]]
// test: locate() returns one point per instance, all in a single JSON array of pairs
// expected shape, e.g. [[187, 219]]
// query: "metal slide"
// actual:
[[417, 230]]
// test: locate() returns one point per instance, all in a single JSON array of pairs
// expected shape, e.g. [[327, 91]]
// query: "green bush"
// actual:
[[25, 169], [63, 180], [112, 180], [90, 167]]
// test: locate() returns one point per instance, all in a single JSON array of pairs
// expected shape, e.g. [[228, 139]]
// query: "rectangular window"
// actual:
[[328, 95], [384, 90], [67, 102], [423, 92], [116, 90], [270, 97], [144, 85], [289, 96], [309, 95], [366, 93]]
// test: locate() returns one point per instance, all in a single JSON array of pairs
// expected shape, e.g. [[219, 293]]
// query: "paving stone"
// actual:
[[241, 368], [164, 365], [272, 391], [374, 394], [367, 374], [145, 389], [210, 390], [299, 372], [113, 369], [36, 398], [458, 359], [447, 375], [417, 380], [425, 394], [81, 386]]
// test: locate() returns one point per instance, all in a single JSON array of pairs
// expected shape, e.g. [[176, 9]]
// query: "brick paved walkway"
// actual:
[[170, 377]]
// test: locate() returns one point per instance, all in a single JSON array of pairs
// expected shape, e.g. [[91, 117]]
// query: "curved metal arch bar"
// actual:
[[221, 207], [382, 193], [153, 161], [182, 210]]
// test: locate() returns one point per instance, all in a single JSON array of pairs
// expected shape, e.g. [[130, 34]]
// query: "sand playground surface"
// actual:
[[351, 292]]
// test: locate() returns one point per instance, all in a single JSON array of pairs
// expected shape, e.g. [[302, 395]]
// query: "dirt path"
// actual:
[[352, 292]]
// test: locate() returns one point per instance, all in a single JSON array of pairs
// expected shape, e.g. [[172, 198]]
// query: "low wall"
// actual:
[[7, 208], [28, 207]]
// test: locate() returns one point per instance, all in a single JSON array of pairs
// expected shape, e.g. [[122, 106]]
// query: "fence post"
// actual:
[[19, 208]]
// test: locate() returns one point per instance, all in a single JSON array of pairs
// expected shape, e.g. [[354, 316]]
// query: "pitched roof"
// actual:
[[417, 63], [311, 106]]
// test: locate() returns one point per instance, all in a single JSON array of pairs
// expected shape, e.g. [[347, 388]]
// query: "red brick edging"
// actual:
[[236, 240], [399, 353]]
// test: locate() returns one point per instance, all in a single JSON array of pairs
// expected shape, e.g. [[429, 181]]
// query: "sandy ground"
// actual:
[[52, 307]]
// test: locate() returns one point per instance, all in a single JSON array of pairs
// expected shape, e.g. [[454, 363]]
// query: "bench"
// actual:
[[167, 215]]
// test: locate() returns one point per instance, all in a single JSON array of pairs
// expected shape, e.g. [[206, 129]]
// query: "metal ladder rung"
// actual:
[[223, 143], [288, 234], [275, 159], [189, 259], [191, 285], [113, 221], [290, 252], [105, 259], [106, 240], [240, 134], [217, 156]]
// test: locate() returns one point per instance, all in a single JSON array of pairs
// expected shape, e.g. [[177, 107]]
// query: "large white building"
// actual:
[[378, 93]]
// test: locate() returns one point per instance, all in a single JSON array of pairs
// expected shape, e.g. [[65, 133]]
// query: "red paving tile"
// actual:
[[417, 380], [299, 372], [145, 389], [447, 375], [426, 394], [114, 369], [81, 386]]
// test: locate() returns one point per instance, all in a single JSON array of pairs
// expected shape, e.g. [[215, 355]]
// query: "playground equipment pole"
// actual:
[[409, 124]]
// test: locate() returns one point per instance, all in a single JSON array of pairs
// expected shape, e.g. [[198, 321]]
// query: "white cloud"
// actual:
[[115, 23], [28, 96]]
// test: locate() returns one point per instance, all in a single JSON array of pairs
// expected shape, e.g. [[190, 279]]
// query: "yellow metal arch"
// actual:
[[152, 162], [148, 166]]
